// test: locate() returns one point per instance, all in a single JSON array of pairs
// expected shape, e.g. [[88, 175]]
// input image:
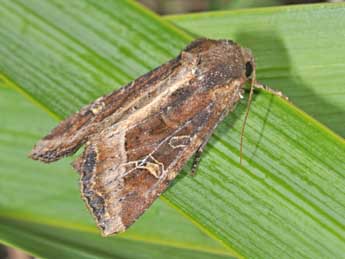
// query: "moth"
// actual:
[[138, 138]]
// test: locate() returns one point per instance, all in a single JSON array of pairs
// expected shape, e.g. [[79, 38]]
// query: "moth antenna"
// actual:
[[252, 84]]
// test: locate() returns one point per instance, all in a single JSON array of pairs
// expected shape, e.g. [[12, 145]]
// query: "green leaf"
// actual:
[[64, 54], [57, 242], [298, 49], [286, 201]]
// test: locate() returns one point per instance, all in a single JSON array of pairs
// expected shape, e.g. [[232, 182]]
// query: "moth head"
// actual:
[[218, 61]]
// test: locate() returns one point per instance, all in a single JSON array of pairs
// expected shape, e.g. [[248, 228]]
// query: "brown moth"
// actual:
[[139, 137]]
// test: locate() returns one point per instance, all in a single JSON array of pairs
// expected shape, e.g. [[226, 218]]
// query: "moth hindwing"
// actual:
[[138, 138]]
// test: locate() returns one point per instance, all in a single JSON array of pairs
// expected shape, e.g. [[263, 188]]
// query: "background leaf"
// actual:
[[286, 201], [56, 242], [298, 49], [241, 4]]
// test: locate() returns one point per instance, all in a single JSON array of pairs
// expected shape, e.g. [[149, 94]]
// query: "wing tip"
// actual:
[[48, 151], [108, 224], [106, 232], [42, 154]]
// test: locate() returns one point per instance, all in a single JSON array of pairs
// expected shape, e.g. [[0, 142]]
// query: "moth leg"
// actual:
[[270, 90], [197, 158]]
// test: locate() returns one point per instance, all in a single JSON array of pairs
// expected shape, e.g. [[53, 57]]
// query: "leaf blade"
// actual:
[[51, 242]]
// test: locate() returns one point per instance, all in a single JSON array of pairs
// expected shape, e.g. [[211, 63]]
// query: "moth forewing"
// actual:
[[139, 137]]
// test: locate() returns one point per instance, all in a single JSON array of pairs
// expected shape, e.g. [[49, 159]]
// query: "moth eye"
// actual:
[[249, 69]]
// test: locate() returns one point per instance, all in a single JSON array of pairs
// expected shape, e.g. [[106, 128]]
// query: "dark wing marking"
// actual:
[[120, 180], [74, 131]]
